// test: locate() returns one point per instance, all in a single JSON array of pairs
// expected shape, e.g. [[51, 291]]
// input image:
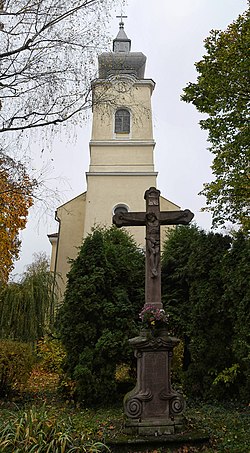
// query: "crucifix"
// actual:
[[153, 218]]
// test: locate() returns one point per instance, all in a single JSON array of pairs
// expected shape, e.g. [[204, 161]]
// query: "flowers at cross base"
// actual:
[[153, 317]]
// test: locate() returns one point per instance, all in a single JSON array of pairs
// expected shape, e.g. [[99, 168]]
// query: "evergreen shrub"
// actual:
[[206, 291], [16, 361], [104, 295]]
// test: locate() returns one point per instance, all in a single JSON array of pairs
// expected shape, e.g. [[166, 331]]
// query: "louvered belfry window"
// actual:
[[122, 121]]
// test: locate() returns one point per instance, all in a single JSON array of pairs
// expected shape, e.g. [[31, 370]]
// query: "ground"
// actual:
[[41, 414]]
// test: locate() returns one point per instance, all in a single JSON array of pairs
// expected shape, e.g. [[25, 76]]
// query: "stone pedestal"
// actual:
[[153, 408]]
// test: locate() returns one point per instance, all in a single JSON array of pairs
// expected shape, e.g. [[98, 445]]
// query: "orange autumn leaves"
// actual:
[[16, 189]]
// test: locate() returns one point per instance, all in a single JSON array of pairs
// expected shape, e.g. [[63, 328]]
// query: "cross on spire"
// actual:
[[121, 17]]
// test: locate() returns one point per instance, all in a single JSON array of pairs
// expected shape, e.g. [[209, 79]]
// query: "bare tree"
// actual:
[[47, 56]]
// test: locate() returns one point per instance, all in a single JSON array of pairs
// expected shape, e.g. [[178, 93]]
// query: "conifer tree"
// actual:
[[206, 291], [104, 295]]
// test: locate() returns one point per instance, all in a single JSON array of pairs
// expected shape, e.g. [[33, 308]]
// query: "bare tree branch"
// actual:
[[48, 55]]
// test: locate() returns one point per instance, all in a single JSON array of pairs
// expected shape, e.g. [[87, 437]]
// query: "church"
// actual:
[[121, 149]]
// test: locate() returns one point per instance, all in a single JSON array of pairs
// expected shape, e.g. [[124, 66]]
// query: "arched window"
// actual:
[[122, 121], [120, 208]]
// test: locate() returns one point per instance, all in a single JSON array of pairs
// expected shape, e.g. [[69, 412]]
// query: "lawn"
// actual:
[[39, 420]]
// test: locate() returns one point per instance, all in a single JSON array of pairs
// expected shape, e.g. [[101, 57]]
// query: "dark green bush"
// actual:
[[104, 295], [206, 290], [236, 277], [16, 361]]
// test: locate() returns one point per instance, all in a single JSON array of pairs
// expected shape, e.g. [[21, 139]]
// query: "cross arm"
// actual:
[[176, 217], [129, 219]]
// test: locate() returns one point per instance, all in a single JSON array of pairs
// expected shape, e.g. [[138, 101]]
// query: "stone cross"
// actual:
[[153, 218]]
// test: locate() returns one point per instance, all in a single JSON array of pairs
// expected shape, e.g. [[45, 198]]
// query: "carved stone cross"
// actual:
[[153, 218]]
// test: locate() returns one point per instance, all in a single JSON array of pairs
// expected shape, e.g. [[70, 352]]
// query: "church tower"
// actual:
[[121, 147], [121, 153]]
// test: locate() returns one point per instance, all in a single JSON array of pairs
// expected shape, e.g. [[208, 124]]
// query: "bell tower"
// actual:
[[122, 145]]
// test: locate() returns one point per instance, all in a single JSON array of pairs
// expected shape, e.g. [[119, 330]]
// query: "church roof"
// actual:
[[53, 235], [81, 195], [121, 60], [122, 36], [111, 63]]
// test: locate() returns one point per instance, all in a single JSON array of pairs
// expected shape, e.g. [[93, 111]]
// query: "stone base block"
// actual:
[[155, 427], [169, 442]]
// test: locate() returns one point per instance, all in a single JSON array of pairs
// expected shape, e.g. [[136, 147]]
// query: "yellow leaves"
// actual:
[[122, 372], [15, 201], [42, 381]]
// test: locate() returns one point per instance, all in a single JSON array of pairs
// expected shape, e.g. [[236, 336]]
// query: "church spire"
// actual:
[[121, 43], [121, 61]]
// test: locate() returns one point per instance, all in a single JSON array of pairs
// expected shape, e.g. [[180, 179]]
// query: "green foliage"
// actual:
[[236, 276], [37, 431], [27, 308], [16, 361], [122, 373], [104, 295], [227, 425], [177, 373], [227, 376], [222, 92], [51, 354], [205, 279]]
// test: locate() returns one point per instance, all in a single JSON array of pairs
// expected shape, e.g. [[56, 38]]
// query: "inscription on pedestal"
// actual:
[[155, 369]]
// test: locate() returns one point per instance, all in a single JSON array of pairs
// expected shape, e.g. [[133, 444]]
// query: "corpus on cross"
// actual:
[[153, 218]]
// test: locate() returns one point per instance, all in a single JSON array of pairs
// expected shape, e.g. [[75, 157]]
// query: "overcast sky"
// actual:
[[171, 35]]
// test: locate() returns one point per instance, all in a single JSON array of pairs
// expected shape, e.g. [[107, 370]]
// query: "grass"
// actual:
[[39, 421], [227, 424]]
